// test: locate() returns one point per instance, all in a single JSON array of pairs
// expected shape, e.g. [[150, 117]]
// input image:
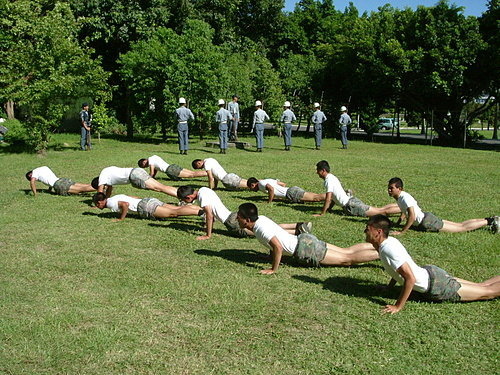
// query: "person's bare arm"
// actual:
[[409, 221], [123, 211], [281, 183], [33, 185], [326, 205], [211, 180], [209, 218], [152, 171], [270, 193], [409, 281], [276, 253]]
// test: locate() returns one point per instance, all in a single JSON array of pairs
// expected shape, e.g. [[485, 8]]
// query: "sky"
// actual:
[[472, 7]]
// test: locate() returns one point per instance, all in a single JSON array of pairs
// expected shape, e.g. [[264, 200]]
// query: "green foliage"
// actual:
[[105, 122]]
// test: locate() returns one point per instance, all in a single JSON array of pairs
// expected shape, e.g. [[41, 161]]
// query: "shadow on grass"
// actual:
[[105, 215], [352, 287], [240, 256], [307, 208]]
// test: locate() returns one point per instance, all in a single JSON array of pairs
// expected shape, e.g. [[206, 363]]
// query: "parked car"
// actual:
[[385, 123]]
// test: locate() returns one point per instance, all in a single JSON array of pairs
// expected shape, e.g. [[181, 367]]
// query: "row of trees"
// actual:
[[126, 55]]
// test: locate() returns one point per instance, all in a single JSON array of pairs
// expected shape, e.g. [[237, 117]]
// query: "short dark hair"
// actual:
[[28, 175], [396, 181], [98, 197], [380, 222], [248, 211], [141, 163], [252, 180], [85, 104], [323, 164], [184, 191], [193, 163], [95, 182]]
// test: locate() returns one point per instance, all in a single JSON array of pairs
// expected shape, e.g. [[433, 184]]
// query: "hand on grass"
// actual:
[[201, 238], [267, 272], [317, 214], [116, 220], [395, 233], [390, 309]]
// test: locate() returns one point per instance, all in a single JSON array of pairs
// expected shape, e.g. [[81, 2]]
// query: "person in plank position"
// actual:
[[433, 282], [351, 205], [216, 173], [305, 247], [278, 189], [149, 208], [427, 221], [61, 186], [138, 177], [173, 171]]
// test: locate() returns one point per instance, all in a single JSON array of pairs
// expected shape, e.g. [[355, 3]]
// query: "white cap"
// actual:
[[221, 102], [316, 105], [182, 101], [287, 104], [258, 103], [343, 108]]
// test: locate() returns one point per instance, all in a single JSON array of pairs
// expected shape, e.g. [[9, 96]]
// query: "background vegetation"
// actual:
[[124, 56]]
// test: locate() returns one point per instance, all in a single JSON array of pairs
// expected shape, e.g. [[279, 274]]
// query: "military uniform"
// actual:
[[222, 117], [286, 119], [318, 118], [182, 115]]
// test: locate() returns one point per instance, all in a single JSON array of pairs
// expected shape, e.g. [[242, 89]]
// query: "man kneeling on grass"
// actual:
[[149, 208], [214, 209], [435, 283], [306, 247]]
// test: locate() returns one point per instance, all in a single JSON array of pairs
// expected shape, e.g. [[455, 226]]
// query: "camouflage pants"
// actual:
[[355, 207], [231, 181], [295, 194], [61, 186], [173, 171], [232, 225], [442, 286], [138, 178], [430, 223], [146, 207], [310, 250]]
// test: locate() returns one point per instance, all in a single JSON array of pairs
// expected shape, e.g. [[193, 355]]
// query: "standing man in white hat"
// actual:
[[234, 108], [259, 117], [318, 118], [286, 119], [183, 114], [222, 117], [344, 121]]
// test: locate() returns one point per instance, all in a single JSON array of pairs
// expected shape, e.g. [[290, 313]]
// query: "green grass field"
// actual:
[[84, 295]]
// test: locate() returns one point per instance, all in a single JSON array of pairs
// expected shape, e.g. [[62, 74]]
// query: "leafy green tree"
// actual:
[[46, 70]]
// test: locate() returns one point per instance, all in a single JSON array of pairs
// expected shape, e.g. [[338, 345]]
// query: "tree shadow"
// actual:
[[249, 258]]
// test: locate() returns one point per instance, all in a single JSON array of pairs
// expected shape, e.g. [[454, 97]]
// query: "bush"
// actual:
[[105, 122]]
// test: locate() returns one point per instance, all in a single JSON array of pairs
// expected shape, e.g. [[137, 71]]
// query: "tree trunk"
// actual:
[[495, 123], [9, 108], [130, 125]]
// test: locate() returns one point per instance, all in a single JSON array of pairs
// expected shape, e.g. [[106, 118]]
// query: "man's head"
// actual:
[[221, 103], [28, 175], [182, 101], [95, 182], [85, 106], [235, 98], [186, 193], [258, 104], [395, 187], [287, 104], [247, 215], [343, 109], [253, 184], [322, 168], [143, 163], [377, 229], [197, 164], [99, 200], [316, 105]]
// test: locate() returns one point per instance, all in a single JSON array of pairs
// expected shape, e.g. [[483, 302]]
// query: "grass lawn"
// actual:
[[84, 295]]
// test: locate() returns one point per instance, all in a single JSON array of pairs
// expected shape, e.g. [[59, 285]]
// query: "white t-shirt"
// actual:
[[333, 185], [208, 197], [279, 191], [112, 202], [158, 163], [45, 175], [265, 229], [115, 176], [393, 255], [405, 201], [213, 165]]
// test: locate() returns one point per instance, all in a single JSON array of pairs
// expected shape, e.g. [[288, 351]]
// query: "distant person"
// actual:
[[286, 119], [222, 118], [173, 171], [352, 206], [278, 189], [216, 173], [148, 208], [427, 221], [259, 117], [433, 282], [3, 129], [137, 177], [61, 186], [305, 247], [345, 121], [183, 115], [86, 125], [214, 209], [234, 109], [318, 118]]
